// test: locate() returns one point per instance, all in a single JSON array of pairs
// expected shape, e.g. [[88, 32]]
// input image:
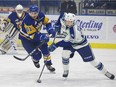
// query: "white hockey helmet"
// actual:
[[19, 10], [19, 7], [69, 17]]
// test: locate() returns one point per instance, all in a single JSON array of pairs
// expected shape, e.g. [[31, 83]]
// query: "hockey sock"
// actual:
[[99, 66], [65, 62]]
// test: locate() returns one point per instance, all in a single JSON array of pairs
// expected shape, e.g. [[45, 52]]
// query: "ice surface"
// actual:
[[15, 73]]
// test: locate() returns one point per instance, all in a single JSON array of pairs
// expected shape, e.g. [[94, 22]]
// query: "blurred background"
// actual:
[[95, 17], [54, 7]]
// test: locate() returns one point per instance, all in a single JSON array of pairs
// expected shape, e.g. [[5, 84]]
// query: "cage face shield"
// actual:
[[19, 10]]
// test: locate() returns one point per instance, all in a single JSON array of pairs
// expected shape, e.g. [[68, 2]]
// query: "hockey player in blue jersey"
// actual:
[[75, 41], [31, 36], [13, 25]]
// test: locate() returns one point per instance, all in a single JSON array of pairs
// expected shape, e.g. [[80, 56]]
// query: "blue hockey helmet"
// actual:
[[33, 8]]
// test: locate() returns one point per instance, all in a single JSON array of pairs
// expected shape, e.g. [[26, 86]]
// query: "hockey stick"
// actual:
[[38, 80], [23, 59]]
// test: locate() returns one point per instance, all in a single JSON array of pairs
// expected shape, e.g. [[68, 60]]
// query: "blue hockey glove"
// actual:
[[53, 32], [57, 28], [44, 37], [52, 47]]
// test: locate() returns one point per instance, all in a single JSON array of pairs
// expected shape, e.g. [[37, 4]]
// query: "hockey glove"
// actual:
[[57, 28], [52, 47], [53, 32], [44, 37]]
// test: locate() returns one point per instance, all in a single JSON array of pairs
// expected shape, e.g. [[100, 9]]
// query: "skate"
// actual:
[[65, 74], [2, 52], [50, 68], [109, 75], [37, 65]]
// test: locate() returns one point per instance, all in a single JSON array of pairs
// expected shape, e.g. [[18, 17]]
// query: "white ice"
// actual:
[[15, 73]]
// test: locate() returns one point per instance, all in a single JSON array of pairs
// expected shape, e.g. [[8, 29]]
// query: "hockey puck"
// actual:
[[39, 81]]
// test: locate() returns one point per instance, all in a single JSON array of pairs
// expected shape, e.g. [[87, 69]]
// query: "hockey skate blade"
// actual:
[[52, 72]]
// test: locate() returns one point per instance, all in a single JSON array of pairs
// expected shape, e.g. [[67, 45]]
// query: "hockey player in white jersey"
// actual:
[[75, 41]]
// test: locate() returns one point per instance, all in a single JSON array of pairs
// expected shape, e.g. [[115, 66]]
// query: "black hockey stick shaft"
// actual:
[[39, 81], [23, 59]]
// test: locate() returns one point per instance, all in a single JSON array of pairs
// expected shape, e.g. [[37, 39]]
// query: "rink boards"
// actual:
[[99, 30]]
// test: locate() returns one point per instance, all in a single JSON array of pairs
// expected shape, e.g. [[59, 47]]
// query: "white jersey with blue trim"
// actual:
[[73, 34]]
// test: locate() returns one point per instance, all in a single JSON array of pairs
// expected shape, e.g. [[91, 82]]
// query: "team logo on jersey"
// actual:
[[39, 26]]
